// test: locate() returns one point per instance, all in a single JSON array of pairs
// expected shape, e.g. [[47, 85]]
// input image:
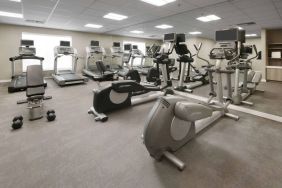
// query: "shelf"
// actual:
[[274, 58], [275, 48], [274, 67], [275, 43]]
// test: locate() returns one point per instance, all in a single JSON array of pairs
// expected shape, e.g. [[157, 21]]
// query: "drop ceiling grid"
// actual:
[[181, 14]]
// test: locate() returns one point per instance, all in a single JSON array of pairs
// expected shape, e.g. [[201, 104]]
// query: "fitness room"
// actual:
[[141, 93]]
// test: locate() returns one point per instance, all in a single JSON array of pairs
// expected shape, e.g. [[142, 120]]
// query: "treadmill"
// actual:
[[26, 51], [151, 53], [124, 56], [94, 66], [66, 77]]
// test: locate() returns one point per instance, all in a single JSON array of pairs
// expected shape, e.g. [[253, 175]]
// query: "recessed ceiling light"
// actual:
[[240, 28], [158, 2], [164, 26], [208, 18], [137, 32], [251, 35], [195, 33], [114, 16], [11, 14], [18, 1], [95, 26]]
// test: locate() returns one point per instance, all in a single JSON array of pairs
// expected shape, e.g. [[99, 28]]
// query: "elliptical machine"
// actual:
[[173, 121], [120, 94], [185, 57]]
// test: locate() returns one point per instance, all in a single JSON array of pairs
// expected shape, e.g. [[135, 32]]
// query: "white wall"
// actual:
[[10, 36]]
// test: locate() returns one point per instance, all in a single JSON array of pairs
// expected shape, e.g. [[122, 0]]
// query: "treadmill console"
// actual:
[[64, 49], [116, 49], [94, 43], [95, 49], [127, 47], [25, 49]]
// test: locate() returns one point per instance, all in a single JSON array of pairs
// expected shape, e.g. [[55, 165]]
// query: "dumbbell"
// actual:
[[51, 116], [17, 122]]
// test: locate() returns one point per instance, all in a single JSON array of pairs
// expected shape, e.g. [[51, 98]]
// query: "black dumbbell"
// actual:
[[17, 122], [51, 116]]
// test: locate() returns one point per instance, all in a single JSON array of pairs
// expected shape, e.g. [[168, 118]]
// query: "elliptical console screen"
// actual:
[[116, 44], [248, 49], [230, 35], [170, 37], [65, 43], [94, 43], [127, 47], [135, 47], [180, 37], [27, 43]]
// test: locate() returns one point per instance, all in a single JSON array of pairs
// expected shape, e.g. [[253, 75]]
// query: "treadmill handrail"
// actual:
[[20, 57]]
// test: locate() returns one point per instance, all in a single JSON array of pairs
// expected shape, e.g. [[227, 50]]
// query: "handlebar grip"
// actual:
[[255, 48], [200, 46]]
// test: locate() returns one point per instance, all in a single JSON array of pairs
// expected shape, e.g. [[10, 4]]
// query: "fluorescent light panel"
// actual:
[[158, 2], [164, 26], [137, 32], [208, 18], [95, 26], [11, 14], [195, 33], [251, 35], [18, 1], [114, 16]]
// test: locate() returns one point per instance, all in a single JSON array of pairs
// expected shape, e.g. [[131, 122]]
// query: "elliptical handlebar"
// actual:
[[257, 54], [198, 51]]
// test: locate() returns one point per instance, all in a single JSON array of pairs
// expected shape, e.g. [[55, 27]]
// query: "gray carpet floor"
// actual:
[[77, 152]]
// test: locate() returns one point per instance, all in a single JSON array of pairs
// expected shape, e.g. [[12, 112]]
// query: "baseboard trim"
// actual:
[[5, 81]]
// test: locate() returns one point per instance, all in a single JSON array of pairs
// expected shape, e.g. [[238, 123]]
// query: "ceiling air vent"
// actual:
[[35, 21], [247, 24]]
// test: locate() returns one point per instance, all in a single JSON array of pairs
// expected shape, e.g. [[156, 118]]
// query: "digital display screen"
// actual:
[[127, 47], [94, 43], [65, 43], [170, 37], [230, 35], [135, 47], [27, 43], [249, 49], [116, 44], [180, 37]]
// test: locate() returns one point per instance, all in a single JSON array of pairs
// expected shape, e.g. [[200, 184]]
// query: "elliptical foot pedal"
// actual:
[[101, 118]]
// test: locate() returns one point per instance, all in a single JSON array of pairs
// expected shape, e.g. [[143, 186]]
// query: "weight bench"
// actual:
[[35, 92]]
